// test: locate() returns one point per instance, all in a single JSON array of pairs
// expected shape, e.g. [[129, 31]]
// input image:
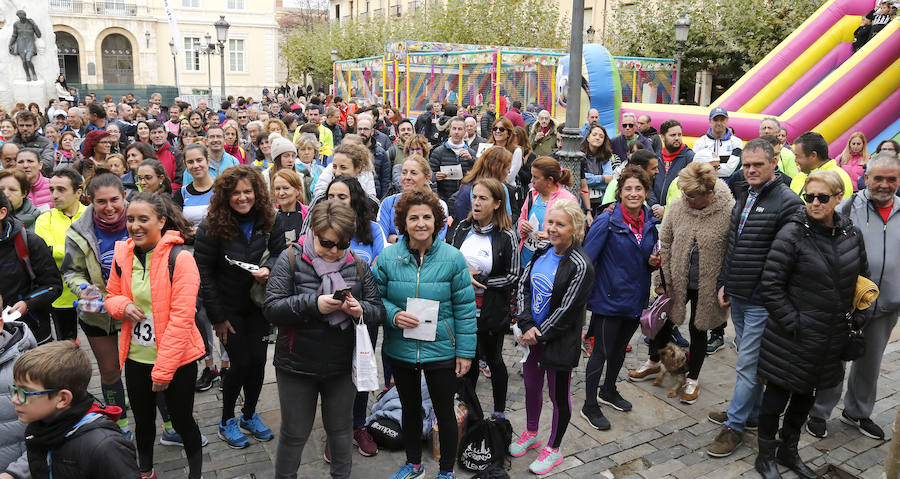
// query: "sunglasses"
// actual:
[[500, 128], [22, 395], [823, 198], [627, 125], [328, 244]]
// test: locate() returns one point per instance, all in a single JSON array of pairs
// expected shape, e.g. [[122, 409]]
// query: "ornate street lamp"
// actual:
[[222, 36], [682, 26]]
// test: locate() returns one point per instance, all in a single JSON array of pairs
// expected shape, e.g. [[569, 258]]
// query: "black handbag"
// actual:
[[855, 346]]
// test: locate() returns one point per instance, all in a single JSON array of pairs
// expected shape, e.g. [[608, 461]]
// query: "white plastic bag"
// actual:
[[365, 370]]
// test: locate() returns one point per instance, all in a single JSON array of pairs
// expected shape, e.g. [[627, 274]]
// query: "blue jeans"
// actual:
[[749, 324]]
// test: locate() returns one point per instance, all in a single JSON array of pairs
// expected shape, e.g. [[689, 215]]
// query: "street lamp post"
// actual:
[[571, 155], [208, 49], [222, 36], [175, 64], [682, 26]]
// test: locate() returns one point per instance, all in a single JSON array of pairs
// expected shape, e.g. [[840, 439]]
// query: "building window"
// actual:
[[190, 3], [237, 57], [192, 54], [235, 4]]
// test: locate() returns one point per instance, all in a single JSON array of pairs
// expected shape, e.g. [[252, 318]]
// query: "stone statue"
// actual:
[[22, 43]]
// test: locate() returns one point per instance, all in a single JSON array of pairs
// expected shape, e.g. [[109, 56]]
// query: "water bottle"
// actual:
[[93, 305]]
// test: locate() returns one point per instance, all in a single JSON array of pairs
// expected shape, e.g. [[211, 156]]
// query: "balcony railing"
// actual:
[[395, 10], [108, 7], [362, 17], [68, 6], [377, 13]]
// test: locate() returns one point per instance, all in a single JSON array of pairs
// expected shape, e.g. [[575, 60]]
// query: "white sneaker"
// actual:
[[648, 370]]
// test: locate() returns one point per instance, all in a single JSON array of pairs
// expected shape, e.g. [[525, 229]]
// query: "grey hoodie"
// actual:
[[27, 214], [15, 339], [884, 265]]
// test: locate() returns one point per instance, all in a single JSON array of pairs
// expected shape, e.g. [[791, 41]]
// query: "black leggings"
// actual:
[[698, 340], [441, 387], [775, 399], [247, 352], [66, 323], [180, 399], [490, 347], [611, 336]]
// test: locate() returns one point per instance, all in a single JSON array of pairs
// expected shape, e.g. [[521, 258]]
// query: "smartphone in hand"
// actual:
[[341, 294]]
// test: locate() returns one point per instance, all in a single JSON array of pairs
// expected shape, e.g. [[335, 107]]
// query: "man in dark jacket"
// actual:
[[29, 285], [332, 119], [487, 120], [27, 137], [427, 123], [675, 156], [451, 153], [621, 143], [379, 156], [759, 212], [650, 133], [876, 211]]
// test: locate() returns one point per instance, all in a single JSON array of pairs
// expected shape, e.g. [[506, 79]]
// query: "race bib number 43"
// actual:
[[143, 334]]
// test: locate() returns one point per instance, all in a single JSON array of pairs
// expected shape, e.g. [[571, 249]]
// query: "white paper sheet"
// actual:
[[427, 312], [453, 172]]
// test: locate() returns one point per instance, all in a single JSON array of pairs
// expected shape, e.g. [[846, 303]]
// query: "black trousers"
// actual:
[[66, 322], [698, 340], [180, 399], [441, 387], [611, 336], [775, 399], [490, 348], [247, 352]]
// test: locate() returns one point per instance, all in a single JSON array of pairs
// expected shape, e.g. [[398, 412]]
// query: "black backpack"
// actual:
[[485, 442], [387, 433]]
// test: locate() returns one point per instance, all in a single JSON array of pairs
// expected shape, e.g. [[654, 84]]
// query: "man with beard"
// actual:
[[27, 137], [365, 129], [675, 156]]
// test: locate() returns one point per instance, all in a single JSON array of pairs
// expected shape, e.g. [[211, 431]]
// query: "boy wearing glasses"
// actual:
[[67, 435], [15, 339]]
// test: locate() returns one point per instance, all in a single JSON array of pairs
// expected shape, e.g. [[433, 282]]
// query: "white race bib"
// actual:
[[142, 333]]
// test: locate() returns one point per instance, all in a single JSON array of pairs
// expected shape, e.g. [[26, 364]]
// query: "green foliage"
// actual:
[[727, 37], [532, 23]]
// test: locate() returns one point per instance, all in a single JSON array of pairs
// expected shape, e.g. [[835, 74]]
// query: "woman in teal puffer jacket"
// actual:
[[420, 267]]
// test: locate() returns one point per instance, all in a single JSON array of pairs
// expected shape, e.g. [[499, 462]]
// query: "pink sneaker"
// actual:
[[528, 440]]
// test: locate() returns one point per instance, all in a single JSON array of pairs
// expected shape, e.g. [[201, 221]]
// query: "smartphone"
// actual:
[[341, 294]]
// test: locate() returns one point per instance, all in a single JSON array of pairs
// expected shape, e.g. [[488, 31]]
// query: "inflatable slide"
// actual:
[[811, 81]]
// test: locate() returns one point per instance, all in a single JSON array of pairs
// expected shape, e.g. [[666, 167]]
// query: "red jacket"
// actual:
[[171, 163]]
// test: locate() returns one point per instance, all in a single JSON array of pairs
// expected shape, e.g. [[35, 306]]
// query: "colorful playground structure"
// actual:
[[812, 81], [412, 74]]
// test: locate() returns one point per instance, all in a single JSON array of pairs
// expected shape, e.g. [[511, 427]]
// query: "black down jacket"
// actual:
[[742, 265], [225, 288], [808, 287], [306, 343]]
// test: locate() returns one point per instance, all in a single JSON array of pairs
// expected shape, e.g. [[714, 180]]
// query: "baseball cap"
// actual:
[[61, 113], [703, 156], [718, 111]]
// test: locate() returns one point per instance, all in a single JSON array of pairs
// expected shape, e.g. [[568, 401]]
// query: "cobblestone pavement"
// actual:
[[660, 438]]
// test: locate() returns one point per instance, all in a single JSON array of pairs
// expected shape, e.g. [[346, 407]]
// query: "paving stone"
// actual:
[[633, 453]]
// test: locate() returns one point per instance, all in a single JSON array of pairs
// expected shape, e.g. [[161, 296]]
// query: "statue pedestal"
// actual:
[[29, 91]]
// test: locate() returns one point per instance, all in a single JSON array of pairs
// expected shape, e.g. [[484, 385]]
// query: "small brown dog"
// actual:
[[675, 361]]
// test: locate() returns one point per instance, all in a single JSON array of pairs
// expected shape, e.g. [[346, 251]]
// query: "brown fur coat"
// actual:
[[710, 226]]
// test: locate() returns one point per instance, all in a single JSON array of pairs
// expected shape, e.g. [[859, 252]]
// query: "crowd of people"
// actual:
[[166, 231]]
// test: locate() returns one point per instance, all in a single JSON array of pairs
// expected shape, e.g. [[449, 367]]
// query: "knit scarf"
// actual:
[[636, 224], [42, 435], [110, 227], [330, 274], [482, 230]]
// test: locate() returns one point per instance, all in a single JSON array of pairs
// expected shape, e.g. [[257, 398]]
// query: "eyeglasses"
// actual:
[[146, 178], [500, 128], [416, 148], [328, 244], [627, 125], [22, 395], [822, 197]]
